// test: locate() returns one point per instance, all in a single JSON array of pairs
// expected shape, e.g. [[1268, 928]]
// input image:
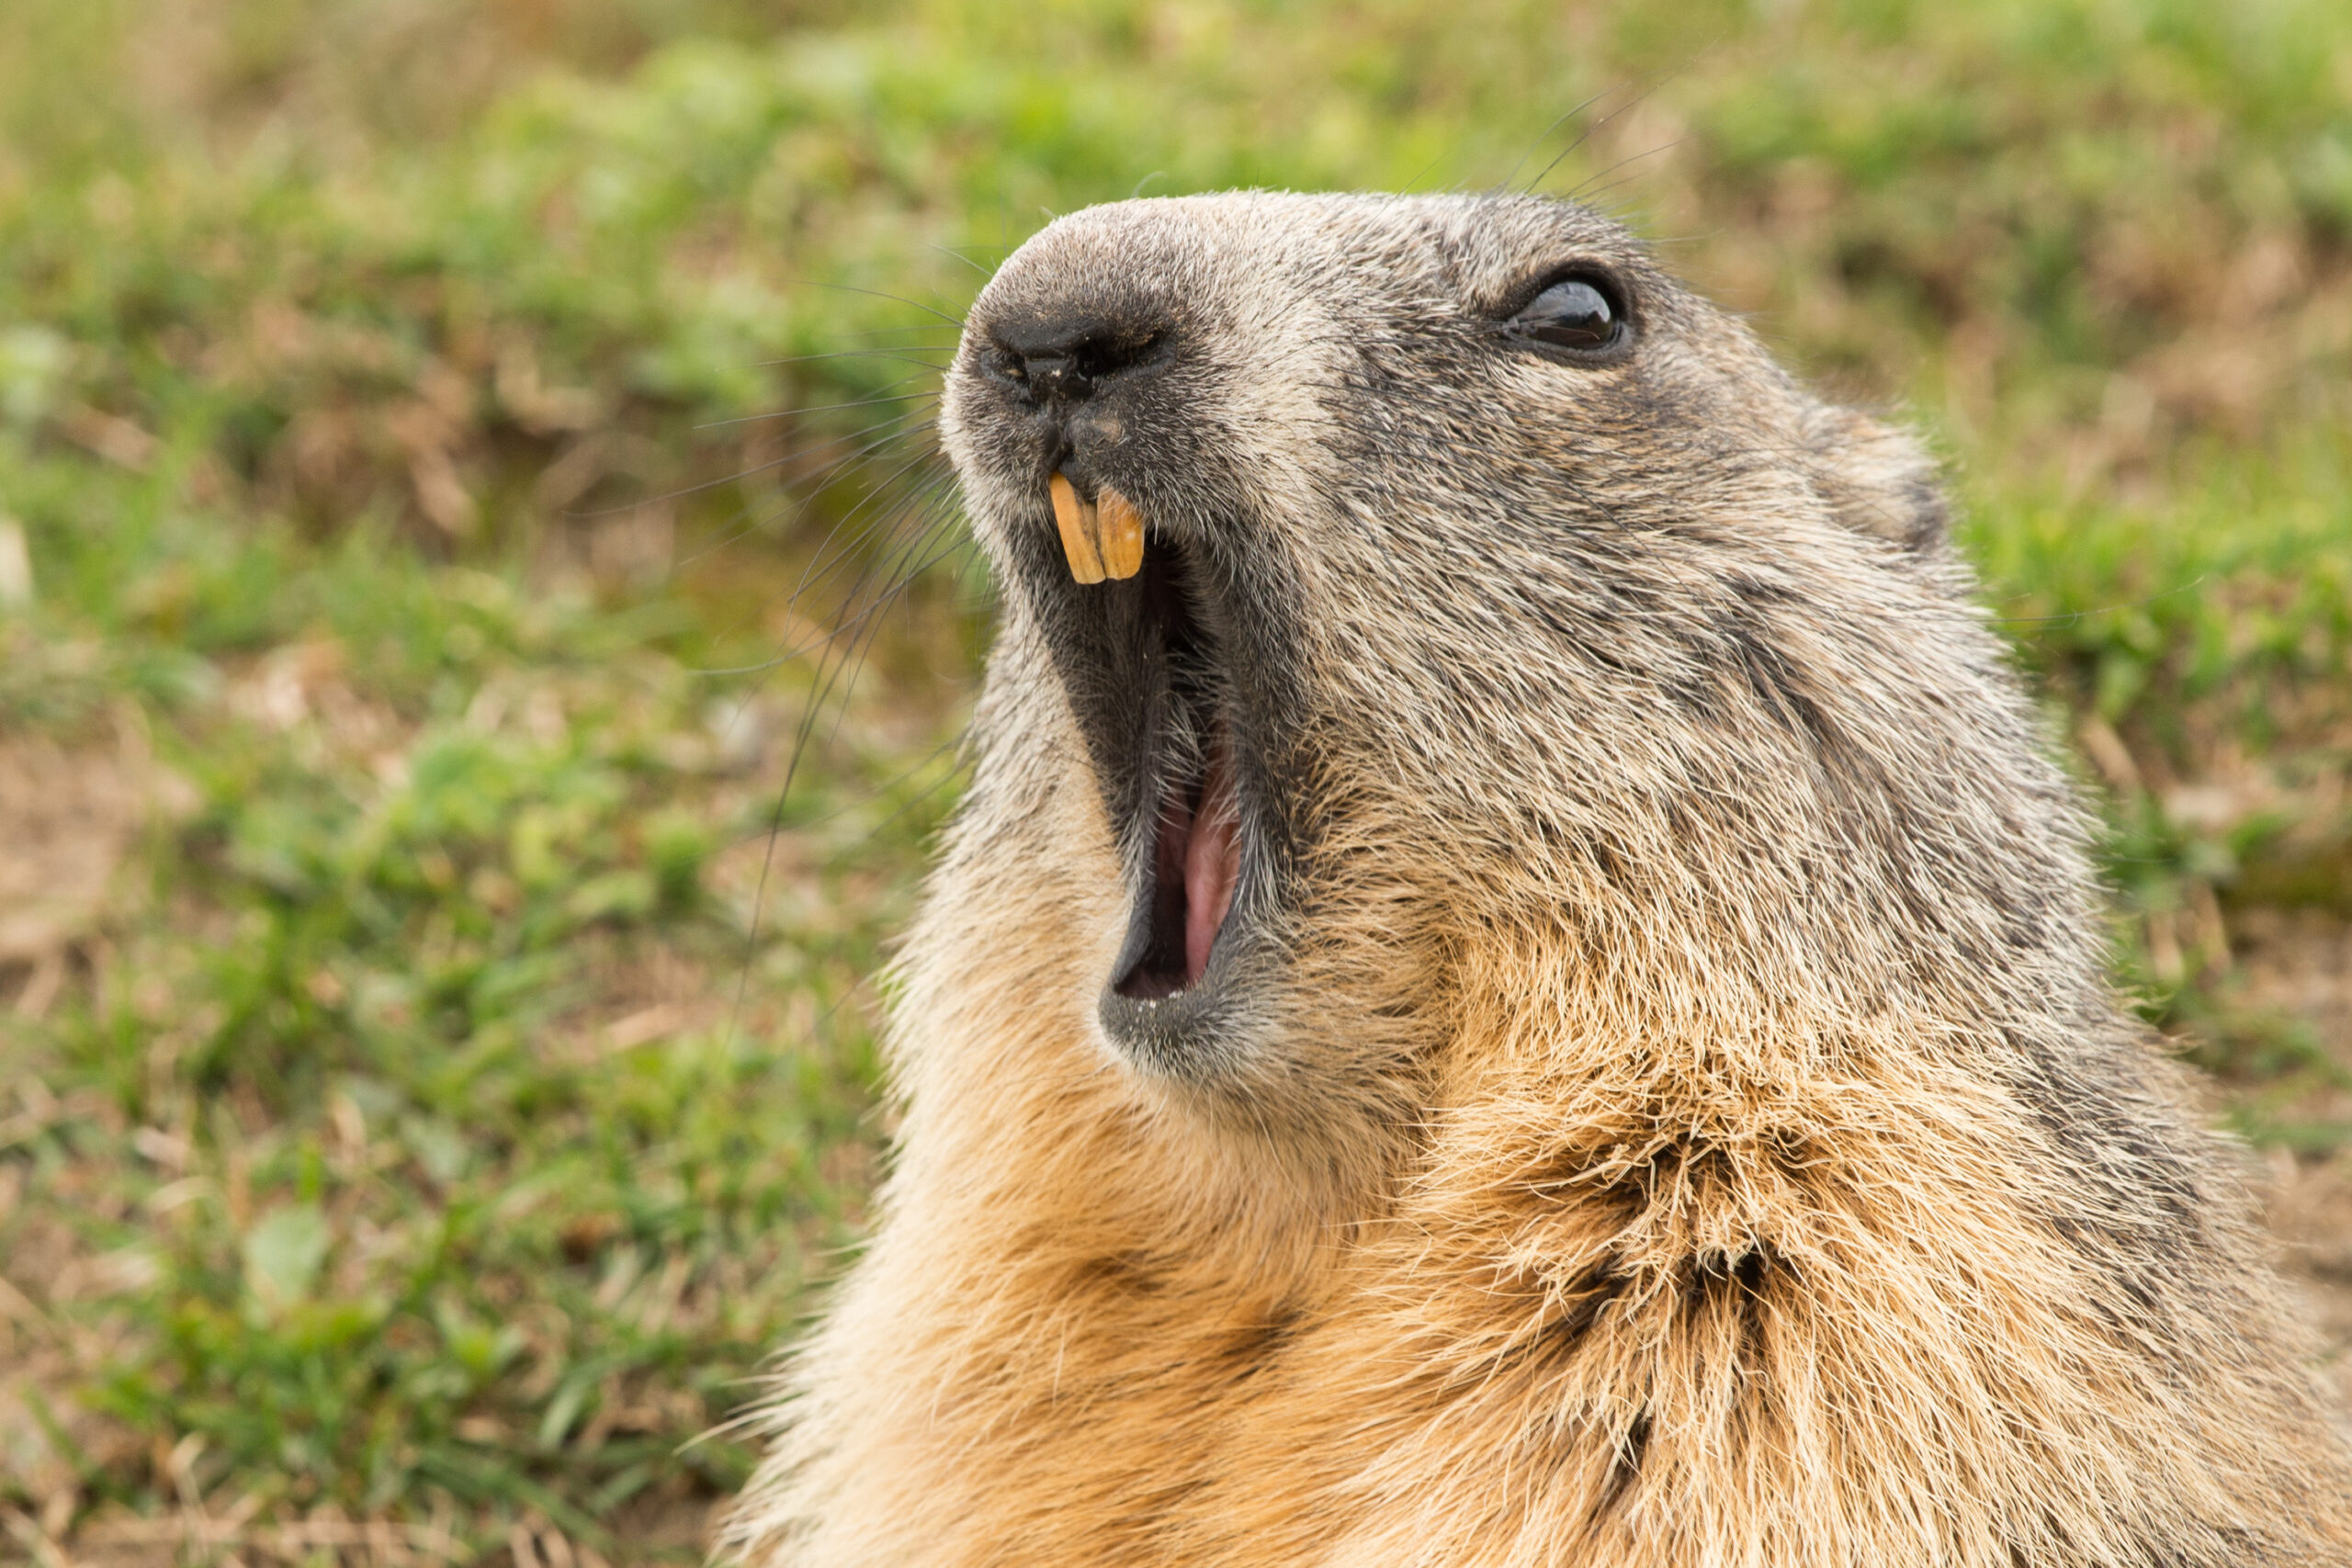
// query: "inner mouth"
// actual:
[[1195, 865], [1191, 843]]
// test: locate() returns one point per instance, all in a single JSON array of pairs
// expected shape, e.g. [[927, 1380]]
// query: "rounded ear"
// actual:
[[1877, 479]]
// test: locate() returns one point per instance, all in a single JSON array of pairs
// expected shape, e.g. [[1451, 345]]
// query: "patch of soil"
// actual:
[[2298, 962], [66, 819]]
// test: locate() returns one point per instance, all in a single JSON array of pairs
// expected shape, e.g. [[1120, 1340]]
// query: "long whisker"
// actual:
[[863, 509], [1648, 82], [955, 322], [899, 352], [849, 620], [701, 488], [1587, 191], [892, 431], [1508, 180], [825, 677], [960, 256], [884, 600], [885, 396]]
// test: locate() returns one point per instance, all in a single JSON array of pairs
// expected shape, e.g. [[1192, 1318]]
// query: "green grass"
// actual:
[[461, 1067]]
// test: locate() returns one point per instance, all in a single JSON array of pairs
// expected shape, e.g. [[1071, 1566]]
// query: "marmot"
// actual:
[[1517, 983]]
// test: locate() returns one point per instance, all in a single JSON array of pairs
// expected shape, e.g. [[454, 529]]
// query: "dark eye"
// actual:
[[1573, 313]]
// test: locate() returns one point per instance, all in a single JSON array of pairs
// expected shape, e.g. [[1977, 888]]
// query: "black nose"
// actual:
[[1064, 356]]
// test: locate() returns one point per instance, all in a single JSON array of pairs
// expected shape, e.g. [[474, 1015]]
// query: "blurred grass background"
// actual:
[[436, 1051]]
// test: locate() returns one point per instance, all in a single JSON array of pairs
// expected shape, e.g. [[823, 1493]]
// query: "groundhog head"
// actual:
[[1516, 982], [1398, 569]]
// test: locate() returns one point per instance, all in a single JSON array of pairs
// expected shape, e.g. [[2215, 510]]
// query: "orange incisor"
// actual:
[[1103, 537]]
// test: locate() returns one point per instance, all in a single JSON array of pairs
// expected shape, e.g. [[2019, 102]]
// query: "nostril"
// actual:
[[1057, 375], [1064, 356]]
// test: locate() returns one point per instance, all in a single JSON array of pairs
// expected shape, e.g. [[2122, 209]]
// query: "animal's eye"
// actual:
[[1573, 313]]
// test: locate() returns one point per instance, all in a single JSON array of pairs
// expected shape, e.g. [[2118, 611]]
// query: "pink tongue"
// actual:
[[1212, 864]]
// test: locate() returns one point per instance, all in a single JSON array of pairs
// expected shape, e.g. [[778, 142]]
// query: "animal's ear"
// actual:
[[1877, 479]]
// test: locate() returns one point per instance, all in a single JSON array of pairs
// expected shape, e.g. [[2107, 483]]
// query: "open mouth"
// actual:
[[1144, 674], [1195, 866]]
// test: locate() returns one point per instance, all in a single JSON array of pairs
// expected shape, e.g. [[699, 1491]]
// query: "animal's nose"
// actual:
[[1064, 356]]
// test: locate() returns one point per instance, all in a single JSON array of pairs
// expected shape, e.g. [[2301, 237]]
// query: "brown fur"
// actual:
[[1675, 1114]]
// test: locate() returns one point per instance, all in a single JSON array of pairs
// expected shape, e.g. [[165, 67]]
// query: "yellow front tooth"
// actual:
[[1121, 534], [1076, 519]]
